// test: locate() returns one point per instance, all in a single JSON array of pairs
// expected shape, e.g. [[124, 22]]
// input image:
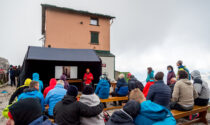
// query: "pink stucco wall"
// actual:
[[63, 30]]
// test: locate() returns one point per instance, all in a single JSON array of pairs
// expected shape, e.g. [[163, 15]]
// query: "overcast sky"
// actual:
[[145, 33]]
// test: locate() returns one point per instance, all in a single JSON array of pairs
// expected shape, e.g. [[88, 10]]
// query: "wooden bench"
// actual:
[[112, 99], [202, 110]]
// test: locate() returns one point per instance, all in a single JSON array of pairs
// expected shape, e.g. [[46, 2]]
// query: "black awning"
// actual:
[[55, 54]]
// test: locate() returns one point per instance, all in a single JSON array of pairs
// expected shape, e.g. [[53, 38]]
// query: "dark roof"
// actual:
[[44, 6], [104, 53], [55, 54]]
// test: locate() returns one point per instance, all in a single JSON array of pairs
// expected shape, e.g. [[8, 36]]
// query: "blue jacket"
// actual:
[[154, 114], [149, 76], [35, 77], [159, 93], [122, 87], [55, 95], [32, 93], [43, 120], [102, 89]]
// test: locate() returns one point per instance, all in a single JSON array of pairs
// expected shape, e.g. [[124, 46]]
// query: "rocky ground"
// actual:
[[4, 98]]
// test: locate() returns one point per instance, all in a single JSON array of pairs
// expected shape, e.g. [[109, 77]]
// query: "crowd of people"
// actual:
[[14, 72], [149, 104]]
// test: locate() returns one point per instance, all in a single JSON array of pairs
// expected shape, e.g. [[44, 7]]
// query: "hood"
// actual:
[[153, 111], [63, 77], [179, 67], [27, 82], [132, 108], [186, 81], [25, 111], [67, 99], [35, 76], [121, 80], [30, 91], [120, 117], [196, 74], [90, 100], [53, 82], [104, 82]]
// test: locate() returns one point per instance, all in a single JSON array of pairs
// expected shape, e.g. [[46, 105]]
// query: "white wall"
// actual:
[[110, 66]]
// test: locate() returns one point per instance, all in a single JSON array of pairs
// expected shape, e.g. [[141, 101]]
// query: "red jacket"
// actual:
[[51, 86], [88, 77], [146, 88]]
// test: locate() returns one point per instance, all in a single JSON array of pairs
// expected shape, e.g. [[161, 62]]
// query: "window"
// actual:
[[94, 21], [94, 37]]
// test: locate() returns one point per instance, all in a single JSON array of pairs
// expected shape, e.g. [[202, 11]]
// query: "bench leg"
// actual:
[[203, 117]]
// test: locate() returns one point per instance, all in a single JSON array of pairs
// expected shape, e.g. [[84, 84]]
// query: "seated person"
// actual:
[[126, 115], [33, 92], [89, 98], [151, 113], [159, 92], [68, 111], [55, 95], [19, 90], [172, 84], [27, 112], [50, 87], [102, 89], [201, 87], [184, 93], [66, 83], [122, 88], [147, 86], [134, 83]]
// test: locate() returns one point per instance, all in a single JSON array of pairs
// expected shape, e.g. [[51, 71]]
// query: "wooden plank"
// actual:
[[112, 99], [114, 107]]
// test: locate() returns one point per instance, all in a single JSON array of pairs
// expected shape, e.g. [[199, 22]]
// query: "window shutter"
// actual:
[[94, 37]]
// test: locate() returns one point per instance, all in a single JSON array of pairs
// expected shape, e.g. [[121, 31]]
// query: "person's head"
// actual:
[[27, 82], [196, 74], [87, 70], [132, 108], [149, 70], [72, 91], [88, 90], [53, 82], [121, 76], [103, 76], [182, 74], [170, 68], [34, 84], [129, 75], [60, 82], [159, 76], [63, 77], [179, 63], [173, 80], [24, 111], [137, 95]]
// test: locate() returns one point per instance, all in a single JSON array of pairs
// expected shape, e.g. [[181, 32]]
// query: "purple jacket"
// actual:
[[171, 74], [66, 84]]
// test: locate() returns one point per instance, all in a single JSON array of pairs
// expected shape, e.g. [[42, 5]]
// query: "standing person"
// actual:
[[122, 88], [159, 92], [35, 77], [55, 95], [147, 86], [171, 74], [150, 74], [181, 67], [88, 77], [66, 83], [18, 79], [89, 98], [19, 90], [151, 113], [68, 111], [201, 87], [33, 92], [134, 83], [27, 112], [12, 76], [50, 87], [126, 115], [184, 93]]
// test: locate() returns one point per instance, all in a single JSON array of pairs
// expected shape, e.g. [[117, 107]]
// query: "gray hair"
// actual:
[[121, 76], [61, 82]]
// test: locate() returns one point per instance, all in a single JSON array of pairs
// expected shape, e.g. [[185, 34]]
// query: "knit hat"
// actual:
[[72, 90], [132, 108], [88, 90], [25, 111]]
